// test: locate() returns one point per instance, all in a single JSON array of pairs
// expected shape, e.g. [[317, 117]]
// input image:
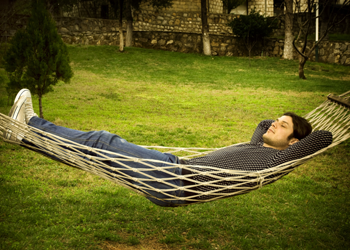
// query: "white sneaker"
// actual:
[[22, 111], [17, 112], [20, 93], [29, 111]]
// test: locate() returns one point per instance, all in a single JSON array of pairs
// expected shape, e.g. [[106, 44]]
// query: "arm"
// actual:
[[309, 145], [261, 129]]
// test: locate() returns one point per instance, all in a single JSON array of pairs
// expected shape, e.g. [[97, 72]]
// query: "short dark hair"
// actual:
[[301, 127]]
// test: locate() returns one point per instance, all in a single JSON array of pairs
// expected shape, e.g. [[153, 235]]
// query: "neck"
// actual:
[[274, 147]]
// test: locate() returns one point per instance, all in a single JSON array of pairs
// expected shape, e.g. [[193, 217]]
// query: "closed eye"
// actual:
[[283, 125]]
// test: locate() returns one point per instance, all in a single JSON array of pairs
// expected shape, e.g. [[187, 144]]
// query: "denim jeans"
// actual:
[[114, 143]]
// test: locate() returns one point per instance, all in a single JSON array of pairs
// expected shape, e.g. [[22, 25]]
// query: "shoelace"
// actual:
[[29, 111]]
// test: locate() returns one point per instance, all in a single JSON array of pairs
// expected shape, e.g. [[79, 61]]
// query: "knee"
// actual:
[[108, 135]]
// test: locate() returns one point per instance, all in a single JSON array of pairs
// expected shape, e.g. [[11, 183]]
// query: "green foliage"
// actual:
[[15, 61], [339, 37], [172, 238], [37, 58], [132, 240], [3, 49], [4, 100], [252, 28], [3, 78]]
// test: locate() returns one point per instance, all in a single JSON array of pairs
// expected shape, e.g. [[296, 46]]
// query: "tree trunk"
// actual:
[[205, 29], [324, 19], [121, 37], [346, 28], [129, 26], [249, 50], [41, 108], [302, 62], [288, 31]]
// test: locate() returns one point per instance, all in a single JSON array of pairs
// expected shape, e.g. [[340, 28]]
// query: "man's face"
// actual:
[[277, 135]]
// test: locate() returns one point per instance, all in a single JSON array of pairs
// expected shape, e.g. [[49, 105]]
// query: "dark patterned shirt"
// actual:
[[254, 156]]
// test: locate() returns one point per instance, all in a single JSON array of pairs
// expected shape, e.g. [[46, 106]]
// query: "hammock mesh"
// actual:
[[332, 115]]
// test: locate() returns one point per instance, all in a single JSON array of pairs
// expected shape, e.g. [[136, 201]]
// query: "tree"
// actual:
[[205, 29], [252, 29], [121, 36], [37, 58], [135, 4], [335, 14], [129, 26], [288, 30], [122, 8]]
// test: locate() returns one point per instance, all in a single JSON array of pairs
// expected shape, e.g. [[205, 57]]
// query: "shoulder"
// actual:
[[319, 138], [309, 145]]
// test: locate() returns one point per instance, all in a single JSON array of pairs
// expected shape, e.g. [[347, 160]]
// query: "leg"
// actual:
[[114, 143]]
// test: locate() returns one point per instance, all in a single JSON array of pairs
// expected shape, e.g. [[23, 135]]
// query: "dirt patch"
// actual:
[[144, 245]]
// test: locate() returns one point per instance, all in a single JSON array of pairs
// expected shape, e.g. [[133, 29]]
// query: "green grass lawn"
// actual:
[[154, 97]]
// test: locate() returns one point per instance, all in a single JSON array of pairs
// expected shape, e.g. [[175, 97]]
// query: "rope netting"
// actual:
[[332, 115]]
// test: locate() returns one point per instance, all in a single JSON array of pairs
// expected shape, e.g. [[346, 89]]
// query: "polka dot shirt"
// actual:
[[254, 156]]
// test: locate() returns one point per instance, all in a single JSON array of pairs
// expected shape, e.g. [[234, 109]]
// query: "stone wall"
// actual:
[[188, 22], [177, 5], [330, 52], [105, 32], [214, 6], [228, 45], [262, 6], [90, 31]]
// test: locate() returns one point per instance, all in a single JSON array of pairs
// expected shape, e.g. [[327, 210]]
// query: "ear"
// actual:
[[292, 141]]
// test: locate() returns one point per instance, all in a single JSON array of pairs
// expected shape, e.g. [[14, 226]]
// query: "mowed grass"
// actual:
[[154, 97]]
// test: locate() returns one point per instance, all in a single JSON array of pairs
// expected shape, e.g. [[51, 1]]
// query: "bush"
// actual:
[[3, 50], [252, 28], [37, 57], [4, 99]]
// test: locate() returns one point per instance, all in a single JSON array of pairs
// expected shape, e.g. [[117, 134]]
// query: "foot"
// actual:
[[28, 105], [29, 111], [18, 113], [21, 93], [18, 110]]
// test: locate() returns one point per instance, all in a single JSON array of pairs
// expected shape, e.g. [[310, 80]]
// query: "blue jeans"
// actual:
[[114, 143]]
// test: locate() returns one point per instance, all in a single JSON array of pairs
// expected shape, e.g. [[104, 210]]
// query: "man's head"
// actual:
[[286, 130]]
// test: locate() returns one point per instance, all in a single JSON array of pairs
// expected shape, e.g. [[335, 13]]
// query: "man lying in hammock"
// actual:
[[274, 142]]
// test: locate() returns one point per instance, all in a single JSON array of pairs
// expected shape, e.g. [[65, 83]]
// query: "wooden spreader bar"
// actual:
[[339, 100]]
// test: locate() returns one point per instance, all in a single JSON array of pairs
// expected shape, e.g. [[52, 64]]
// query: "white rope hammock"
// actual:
[[333, 115]]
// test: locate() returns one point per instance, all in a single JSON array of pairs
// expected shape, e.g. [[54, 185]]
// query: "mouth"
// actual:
[[271, 130]]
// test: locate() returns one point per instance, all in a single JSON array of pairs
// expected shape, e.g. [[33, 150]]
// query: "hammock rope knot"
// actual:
[[260, 180]]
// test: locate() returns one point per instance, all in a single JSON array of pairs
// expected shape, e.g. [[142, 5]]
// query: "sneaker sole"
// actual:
[[14, 112]]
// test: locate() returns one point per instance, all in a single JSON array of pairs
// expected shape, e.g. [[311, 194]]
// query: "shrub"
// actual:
[[37, 58], [252, 28]]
